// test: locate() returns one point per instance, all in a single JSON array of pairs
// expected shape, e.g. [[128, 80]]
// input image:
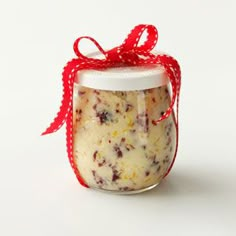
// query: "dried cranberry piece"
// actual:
[[99, 180], [115, 175], [118, 151], [168, 141], [154, 160], [95, 106], [104, 116], [81, 93], [102, 163], [78, 114], [128, 107], [96, 91], [95, 155], [158, 168], [126, 189], [122, 139], [129, 147], [166, 159]]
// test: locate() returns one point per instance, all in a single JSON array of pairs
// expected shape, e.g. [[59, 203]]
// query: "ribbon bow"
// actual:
[[129, 53]]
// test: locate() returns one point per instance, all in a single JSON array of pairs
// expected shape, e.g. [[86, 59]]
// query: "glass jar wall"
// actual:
[[116, 144]]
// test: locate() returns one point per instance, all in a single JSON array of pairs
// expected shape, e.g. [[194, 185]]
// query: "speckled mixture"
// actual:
[[116, 146]]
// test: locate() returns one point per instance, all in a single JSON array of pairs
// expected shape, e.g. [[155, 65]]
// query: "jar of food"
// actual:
[[117, 145]]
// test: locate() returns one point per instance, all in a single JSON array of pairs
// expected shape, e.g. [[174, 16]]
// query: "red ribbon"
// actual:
[[129, 53]]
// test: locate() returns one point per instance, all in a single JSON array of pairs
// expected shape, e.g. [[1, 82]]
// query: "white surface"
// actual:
[[123, 79], [39, 193]]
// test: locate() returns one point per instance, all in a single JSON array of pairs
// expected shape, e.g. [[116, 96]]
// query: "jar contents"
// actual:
[[115, 144]]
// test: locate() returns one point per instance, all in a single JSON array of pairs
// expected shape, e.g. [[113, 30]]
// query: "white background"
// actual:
[[39, 194]]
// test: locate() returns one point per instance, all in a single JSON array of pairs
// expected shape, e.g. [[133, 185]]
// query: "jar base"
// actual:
[[125, 192]]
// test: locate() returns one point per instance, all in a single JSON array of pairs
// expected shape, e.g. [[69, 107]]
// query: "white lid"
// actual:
[[123, 78]]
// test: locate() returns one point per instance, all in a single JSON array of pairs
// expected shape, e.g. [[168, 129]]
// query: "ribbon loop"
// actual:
[[131, 42], [85, 58]]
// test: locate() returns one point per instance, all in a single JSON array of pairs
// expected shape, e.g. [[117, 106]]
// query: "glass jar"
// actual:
[[116, 145]]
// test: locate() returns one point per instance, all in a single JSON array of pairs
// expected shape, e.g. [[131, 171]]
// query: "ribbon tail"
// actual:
[[68, 76], [166, 62], [175, 68], [174, 73]]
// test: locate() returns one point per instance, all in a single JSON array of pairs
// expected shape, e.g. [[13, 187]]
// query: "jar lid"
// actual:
[[123, 78]]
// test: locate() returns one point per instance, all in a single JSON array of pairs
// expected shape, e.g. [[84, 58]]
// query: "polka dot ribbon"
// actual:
[[129, 53]]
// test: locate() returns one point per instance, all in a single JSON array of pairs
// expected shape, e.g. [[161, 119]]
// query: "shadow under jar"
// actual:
[[116, 145]]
